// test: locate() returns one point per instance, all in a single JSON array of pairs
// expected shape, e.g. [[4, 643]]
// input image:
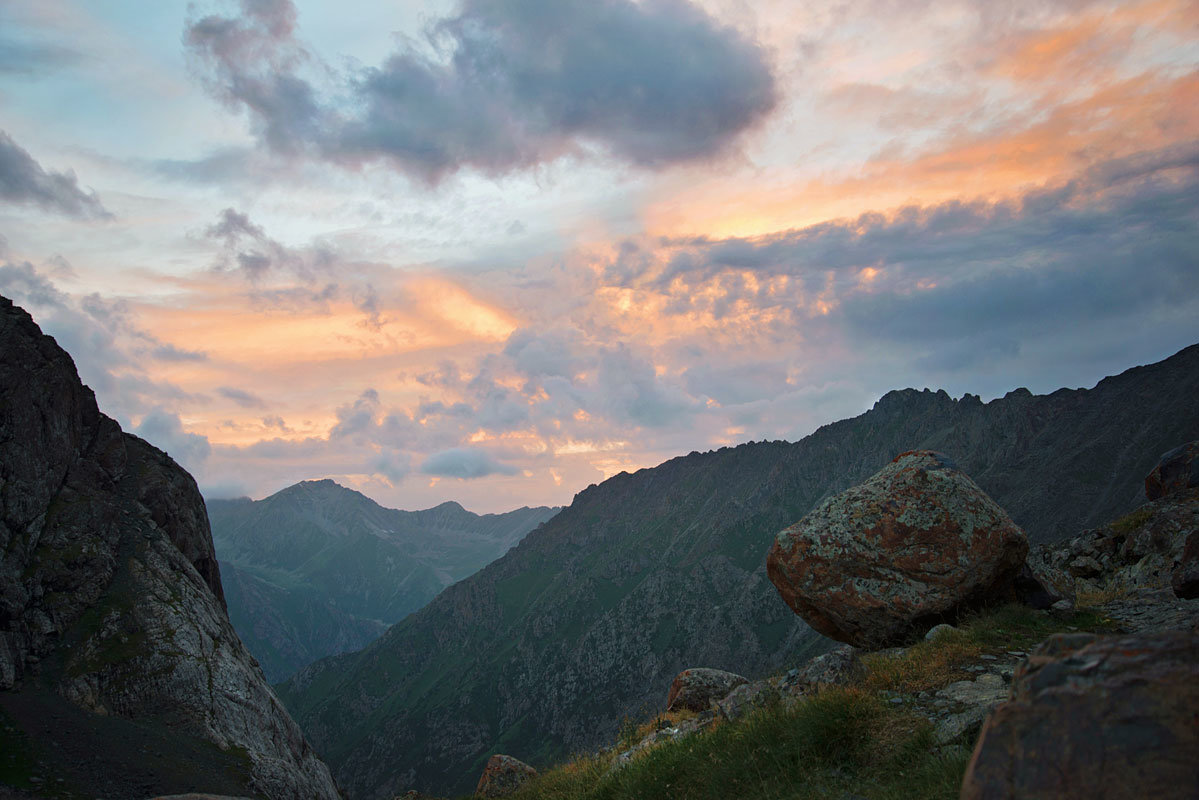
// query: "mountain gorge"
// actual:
[[318, 569], [544, 651]]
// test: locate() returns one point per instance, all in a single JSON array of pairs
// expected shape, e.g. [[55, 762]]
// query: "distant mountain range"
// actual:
[[544, 651], [318, 569]]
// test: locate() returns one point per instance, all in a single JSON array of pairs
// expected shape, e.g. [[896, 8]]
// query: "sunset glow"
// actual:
[[431, 283]]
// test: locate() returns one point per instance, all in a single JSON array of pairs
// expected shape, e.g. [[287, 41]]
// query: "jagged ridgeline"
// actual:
[[586, 621], [318, 569], [120, 674]]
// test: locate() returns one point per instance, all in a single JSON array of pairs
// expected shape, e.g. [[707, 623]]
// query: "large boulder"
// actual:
[[697, 688], [503, 775], [1175, 471], [880, 563], [1111, 717]]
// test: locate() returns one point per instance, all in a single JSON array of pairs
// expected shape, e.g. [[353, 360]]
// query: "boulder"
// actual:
[[878, 564], [1175, 471], [1111, 717], [502, 776], [697, 688], [745, 698], [1184, 578]]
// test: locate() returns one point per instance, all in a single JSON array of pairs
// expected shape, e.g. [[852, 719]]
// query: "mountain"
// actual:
[[318, 569], [544, 651], [120, 674]]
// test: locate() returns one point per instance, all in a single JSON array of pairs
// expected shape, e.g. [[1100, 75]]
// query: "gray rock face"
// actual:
[[1110, 717], [109, 587]]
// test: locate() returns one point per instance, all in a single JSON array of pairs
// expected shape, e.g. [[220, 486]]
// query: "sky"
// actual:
[[494, 251]]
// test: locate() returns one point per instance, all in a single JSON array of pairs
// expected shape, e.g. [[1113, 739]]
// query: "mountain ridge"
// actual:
[[318, 568]]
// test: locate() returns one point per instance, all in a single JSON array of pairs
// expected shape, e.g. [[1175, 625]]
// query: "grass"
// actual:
[[840, 741]]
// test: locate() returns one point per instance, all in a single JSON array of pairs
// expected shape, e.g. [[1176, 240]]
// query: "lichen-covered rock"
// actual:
[[878, 563], [502, 776], [109, 587], [697, 688], [1111, 717], [1175, 471], [746, 698]]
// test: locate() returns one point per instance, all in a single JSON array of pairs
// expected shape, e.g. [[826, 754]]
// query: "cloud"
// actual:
[[241, 397], [245, 248], [464, 463], [33, 58], [169, 352], [500, 86], [23, 181], [164, 430]]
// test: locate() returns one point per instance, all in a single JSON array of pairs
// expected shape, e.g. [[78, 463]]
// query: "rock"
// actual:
[[1184, 578], [1144, 549], [1175, 471], [745, 698], [502, 776], [939, 630], [1062, 607], [837, 667], [699, 722], [1109, 717], [109, 587], [986, 691], [696, 689], [913, 545], [1144, 610]]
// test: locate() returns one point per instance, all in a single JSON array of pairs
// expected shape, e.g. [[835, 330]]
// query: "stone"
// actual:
[[502, 776], [699, 722], [1142, 550], [1184, 578], [939, 630], [697, 688], [837, 667], [745, 698], [914, 545], [109, 585], [1175, 471], [1091, 716]]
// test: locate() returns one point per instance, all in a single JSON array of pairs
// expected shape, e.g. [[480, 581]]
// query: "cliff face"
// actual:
[[318, 569], [110, 594], [587, 620]]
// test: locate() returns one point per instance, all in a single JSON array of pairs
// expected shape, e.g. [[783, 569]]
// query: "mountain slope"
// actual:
[[318, 569], [120, 673], [590, 616]]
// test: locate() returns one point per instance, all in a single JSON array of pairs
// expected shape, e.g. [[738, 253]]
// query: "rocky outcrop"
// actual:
[[697, 688], [878, 563], [1145, 549], [110, 593], [1111, 717], [502, 776], [1175, 471]]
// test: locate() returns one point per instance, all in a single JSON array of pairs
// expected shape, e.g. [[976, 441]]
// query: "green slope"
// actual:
[[544, 651]]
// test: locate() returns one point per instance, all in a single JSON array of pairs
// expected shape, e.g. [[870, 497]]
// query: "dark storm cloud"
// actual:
[[23, 181], [465, 463], [514, 83]]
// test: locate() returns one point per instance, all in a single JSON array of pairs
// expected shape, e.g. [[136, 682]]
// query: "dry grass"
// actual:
[[922, 667]]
